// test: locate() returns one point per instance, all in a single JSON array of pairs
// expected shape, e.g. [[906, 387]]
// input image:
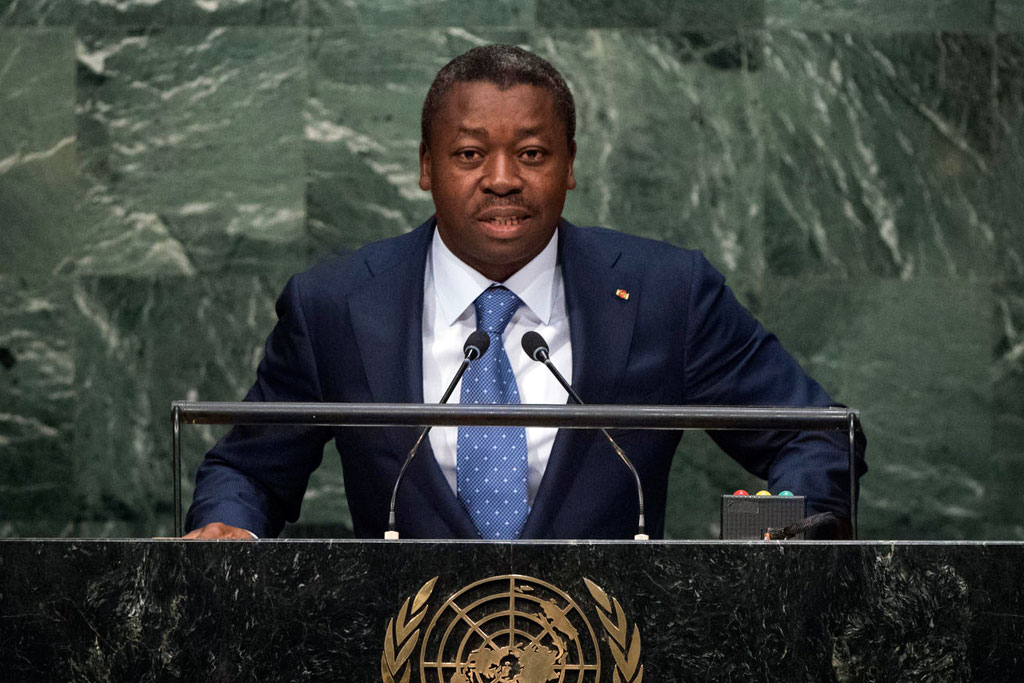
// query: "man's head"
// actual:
[[497, 155]]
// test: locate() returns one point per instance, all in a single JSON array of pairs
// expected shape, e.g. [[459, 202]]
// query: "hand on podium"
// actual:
[[215, 531]]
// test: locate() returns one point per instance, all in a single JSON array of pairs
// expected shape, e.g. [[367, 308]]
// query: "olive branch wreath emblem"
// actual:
[[625, 649], [403, 634]]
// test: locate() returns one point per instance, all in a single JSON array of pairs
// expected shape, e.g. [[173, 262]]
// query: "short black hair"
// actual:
[[505, 66]]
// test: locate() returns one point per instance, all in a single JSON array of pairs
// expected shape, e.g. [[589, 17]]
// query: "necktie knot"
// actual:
[[494, 308]]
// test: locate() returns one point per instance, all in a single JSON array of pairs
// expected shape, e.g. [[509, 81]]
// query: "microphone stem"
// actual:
[[392, 519], [636, 478], [544, 358], [561, 380], [455, 381]]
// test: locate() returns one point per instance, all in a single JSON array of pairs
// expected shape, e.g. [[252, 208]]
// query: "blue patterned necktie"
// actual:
[[491, 465]]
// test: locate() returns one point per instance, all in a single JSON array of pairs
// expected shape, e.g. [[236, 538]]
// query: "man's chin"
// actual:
[[502, 259]]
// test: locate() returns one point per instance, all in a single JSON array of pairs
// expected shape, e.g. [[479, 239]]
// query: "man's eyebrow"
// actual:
[[527, 132], [482, 132], [473, 132]]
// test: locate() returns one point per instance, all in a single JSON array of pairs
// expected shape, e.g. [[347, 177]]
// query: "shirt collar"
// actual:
[[457, 285]]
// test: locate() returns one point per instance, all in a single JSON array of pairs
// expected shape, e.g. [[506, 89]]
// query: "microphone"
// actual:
[[812, 523], [537, 349], [475, 347]]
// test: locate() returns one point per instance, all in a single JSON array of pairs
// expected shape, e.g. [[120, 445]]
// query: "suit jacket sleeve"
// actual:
[[255, 477], [732, 360]]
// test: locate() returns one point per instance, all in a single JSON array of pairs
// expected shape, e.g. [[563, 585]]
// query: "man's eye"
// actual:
[[468, 155], [533, 154]]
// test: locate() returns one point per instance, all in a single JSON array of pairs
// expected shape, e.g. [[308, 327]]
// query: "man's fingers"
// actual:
[[217, 531]]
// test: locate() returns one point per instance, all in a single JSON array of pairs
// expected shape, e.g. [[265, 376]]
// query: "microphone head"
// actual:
[[535, 346], [476, 344]]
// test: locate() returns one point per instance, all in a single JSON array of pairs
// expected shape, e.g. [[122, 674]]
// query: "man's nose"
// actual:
[[501, 175]]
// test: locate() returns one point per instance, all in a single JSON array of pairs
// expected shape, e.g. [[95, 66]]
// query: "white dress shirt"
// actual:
[[449, 289]]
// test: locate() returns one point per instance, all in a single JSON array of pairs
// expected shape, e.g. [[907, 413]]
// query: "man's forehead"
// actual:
[[476, 105], [478, 90]]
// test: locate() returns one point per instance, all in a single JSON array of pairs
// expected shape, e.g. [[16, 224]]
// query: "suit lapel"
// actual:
[[601, 330], [387, 320], [600, 321]]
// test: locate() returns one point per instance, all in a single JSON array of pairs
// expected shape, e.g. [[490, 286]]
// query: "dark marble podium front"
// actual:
[[141, 610]]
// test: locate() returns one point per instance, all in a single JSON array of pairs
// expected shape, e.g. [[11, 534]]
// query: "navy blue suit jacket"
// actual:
[[350, 330]]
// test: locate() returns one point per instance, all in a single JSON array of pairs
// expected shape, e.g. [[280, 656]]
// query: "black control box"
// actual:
[[750, 517]]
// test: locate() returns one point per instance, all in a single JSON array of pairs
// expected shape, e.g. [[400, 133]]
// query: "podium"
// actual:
[[371, 611], [501, 612]]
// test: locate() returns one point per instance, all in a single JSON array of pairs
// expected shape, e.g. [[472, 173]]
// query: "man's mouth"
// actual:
[[503, 217], [505, 221]]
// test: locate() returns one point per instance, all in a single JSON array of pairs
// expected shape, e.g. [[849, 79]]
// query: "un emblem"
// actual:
[[509, 629]]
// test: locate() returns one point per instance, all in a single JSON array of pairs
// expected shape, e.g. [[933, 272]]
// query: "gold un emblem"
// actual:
[[509, 629]]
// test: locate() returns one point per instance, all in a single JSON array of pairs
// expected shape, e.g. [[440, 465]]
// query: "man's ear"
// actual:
[[571, 181], [424, 167]]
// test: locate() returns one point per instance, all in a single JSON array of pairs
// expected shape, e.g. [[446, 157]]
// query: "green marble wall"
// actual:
[[856, 167]]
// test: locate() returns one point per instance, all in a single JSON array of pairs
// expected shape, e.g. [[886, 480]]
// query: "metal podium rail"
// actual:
[[530, 415]]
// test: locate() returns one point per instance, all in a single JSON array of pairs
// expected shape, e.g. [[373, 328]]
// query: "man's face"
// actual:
[[498, 167]]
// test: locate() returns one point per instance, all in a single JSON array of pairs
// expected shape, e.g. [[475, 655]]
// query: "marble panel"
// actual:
[[363, 129], [1007, 456], [917, 362], [814, 319], [191, 154], [39, 13], [414, 13], [106, 611], [914, 357], [668, 140], [1004, 198], [140, 344], [883, 155], [99, 13], [880, 16], [1009, 15], [693, 15], [37, 151], [37, 370]]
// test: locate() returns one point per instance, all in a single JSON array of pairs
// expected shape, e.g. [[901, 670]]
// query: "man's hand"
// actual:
[[219, 532]]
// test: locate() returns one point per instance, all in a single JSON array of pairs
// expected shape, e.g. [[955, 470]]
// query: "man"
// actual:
[[636, 321]]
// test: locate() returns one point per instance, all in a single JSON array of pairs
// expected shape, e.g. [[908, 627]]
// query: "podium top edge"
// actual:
[[540, 415]]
